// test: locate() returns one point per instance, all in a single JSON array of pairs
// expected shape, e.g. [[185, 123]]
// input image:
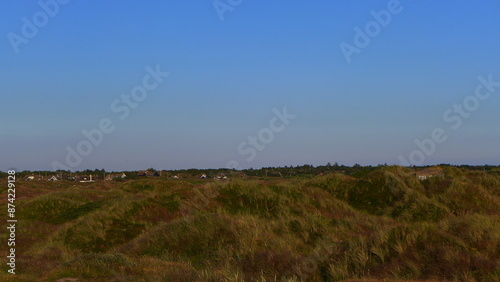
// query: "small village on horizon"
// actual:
[[84, 176]]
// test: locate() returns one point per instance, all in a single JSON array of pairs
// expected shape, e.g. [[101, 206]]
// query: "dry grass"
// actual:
[[386, 226]]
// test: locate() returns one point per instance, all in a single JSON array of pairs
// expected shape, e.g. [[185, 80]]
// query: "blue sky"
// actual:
[[226, 77]]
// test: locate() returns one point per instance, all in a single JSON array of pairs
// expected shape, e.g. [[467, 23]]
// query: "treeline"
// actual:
[[356, 170]]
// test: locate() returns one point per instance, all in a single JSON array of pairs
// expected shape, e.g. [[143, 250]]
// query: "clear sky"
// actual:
[[230, 68]]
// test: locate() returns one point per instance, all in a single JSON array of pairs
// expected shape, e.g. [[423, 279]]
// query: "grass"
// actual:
[[385, 224]]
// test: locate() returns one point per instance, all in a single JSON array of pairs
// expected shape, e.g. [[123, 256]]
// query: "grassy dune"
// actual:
[[384, 225]]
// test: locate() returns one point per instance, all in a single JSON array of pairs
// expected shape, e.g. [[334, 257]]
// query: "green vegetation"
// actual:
[[377, 223]]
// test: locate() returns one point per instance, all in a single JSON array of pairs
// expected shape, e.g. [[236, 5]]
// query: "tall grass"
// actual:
[[384, 225]]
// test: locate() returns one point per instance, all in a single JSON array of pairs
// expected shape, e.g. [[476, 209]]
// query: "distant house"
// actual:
[[82, 177], [220, 176], [148, 173], [113, 176], [53, 178], [34, 177], [85, 178], [429, 172]]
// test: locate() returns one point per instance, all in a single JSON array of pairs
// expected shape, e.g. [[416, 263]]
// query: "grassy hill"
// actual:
[[383, 225]]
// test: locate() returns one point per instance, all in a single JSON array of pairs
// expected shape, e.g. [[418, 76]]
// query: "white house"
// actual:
[[429, 172], [117, 175], [53, 178]]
